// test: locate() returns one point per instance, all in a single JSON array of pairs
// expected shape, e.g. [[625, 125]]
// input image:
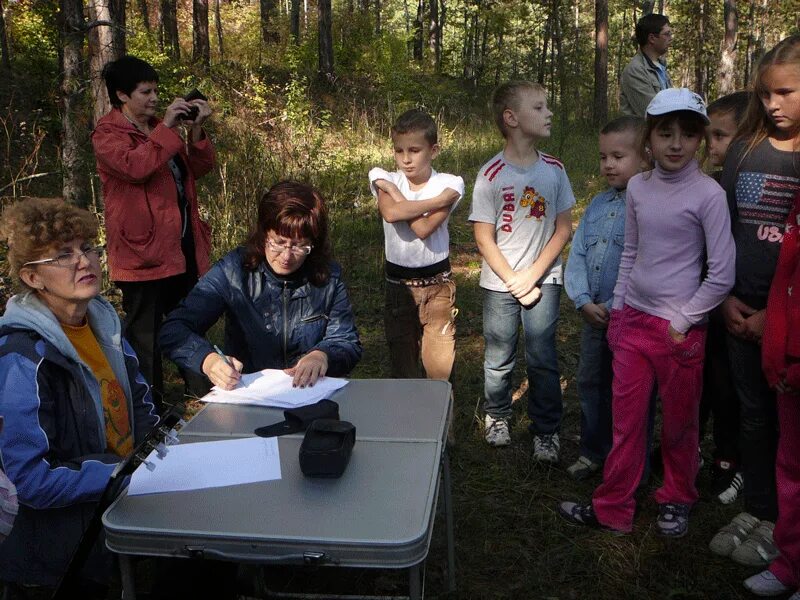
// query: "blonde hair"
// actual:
[[757, 125], [507, 96], [32, 226]]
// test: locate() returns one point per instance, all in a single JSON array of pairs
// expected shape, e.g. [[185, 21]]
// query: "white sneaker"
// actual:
[[546, 447], [765, 584], [496, 431]]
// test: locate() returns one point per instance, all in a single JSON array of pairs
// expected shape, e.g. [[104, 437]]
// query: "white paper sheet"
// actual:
[[207, 465], [273, 387]]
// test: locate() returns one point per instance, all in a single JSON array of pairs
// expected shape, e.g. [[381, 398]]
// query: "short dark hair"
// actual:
[[124, 74], [417, 120], [294, 210], [624, 123], [735, 103], [649, 24], [507, 95]]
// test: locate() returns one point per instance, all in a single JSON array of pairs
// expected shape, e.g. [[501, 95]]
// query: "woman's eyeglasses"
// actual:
[[291, 248], [69, 259]]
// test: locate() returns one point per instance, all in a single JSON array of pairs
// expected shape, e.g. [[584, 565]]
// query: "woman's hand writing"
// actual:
[[220, 372]]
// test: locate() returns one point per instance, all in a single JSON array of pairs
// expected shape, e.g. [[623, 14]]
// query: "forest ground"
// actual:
[[510, 542]]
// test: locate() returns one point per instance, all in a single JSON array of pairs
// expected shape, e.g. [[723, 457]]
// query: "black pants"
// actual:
[[759, 428], [146, 303], [719, 396]]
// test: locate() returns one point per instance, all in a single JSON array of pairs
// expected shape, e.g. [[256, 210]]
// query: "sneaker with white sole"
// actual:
[[583, 468], [496, 431], [766, 584], [731, 493], [546, 447], [758, 550], [673, 519], [733, 534], [795, 596]]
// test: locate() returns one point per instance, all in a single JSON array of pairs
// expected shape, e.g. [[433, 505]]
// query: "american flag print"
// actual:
[[765, 199]]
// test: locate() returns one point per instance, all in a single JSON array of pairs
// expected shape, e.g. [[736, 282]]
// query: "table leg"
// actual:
[[127, 576], [414, 592], [448, 515]]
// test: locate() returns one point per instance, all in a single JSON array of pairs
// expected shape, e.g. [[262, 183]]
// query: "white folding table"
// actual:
[[379, 514]]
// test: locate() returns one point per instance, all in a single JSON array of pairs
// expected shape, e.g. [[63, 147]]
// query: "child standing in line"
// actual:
[[781, 362], [675, 215], [589, 280], [761, 177], [719, 397], [521, 211], [415, 202]]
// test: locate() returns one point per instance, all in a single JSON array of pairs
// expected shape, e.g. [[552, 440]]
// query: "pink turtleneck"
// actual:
[[675, 221]]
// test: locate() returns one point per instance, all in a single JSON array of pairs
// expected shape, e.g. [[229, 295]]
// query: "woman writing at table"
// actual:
[[71, 395], [285, 304]]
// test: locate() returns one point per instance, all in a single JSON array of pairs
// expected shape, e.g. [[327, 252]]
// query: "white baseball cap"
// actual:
[[675, 99]]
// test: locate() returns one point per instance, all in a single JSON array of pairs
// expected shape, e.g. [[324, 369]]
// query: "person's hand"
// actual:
[[220, 373], [754, 326], [308, 369], [596, 315], [203, 112], [735, 313], [176, 111], [784, 388], [676, 335], [521, 284], [531, 298]]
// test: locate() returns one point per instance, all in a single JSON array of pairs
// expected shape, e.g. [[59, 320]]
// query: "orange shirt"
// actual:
[[119, 439]]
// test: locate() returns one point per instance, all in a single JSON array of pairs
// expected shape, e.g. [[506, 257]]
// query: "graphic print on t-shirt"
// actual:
[[765, 200], [533, 199]]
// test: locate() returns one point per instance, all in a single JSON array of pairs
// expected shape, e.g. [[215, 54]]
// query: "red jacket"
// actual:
[[142, 218], [780, 348]]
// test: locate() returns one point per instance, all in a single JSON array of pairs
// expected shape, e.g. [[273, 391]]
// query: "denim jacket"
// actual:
[[596, 250], [269, 323]]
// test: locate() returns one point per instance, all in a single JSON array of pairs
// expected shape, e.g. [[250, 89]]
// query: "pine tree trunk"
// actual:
[[433, 33], [600, 112], [267, 7], [169, 20], [699, 59], [118, 17], [218, 25], [325, 39], [201, 47], [101, 51], [377, 9], [145, 13], [647, 7], [71, 25], [295, 21], [6, 64], [419, 25]]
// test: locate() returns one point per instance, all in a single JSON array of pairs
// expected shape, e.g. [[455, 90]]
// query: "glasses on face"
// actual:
[[291, 248], [666, 34], [69, 259]]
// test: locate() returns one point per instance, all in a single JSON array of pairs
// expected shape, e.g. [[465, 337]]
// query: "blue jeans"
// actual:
[[594, 391], [501, 317]]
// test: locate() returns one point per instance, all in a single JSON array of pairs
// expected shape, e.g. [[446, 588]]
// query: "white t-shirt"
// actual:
[[523, 204], [402, 245]]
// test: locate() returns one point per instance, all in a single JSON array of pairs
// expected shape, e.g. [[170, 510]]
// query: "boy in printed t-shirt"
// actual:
[[521, 211], [415, 202]]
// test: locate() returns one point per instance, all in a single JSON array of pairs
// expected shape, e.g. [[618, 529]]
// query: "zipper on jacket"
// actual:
[[313, 318], [285, 326]]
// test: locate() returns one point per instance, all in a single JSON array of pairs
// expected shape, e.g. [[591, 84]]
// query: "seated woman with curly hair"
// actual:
[[285, 304], [71, 395]]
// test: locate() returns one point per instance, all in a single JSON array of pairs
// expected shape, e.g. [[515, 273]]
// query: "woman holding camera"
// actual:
[[285, 304], [157, 244]]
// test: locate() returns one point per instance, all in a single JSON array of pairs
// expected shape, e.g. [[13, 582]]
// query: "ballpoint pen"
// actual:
[[225, 358]]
